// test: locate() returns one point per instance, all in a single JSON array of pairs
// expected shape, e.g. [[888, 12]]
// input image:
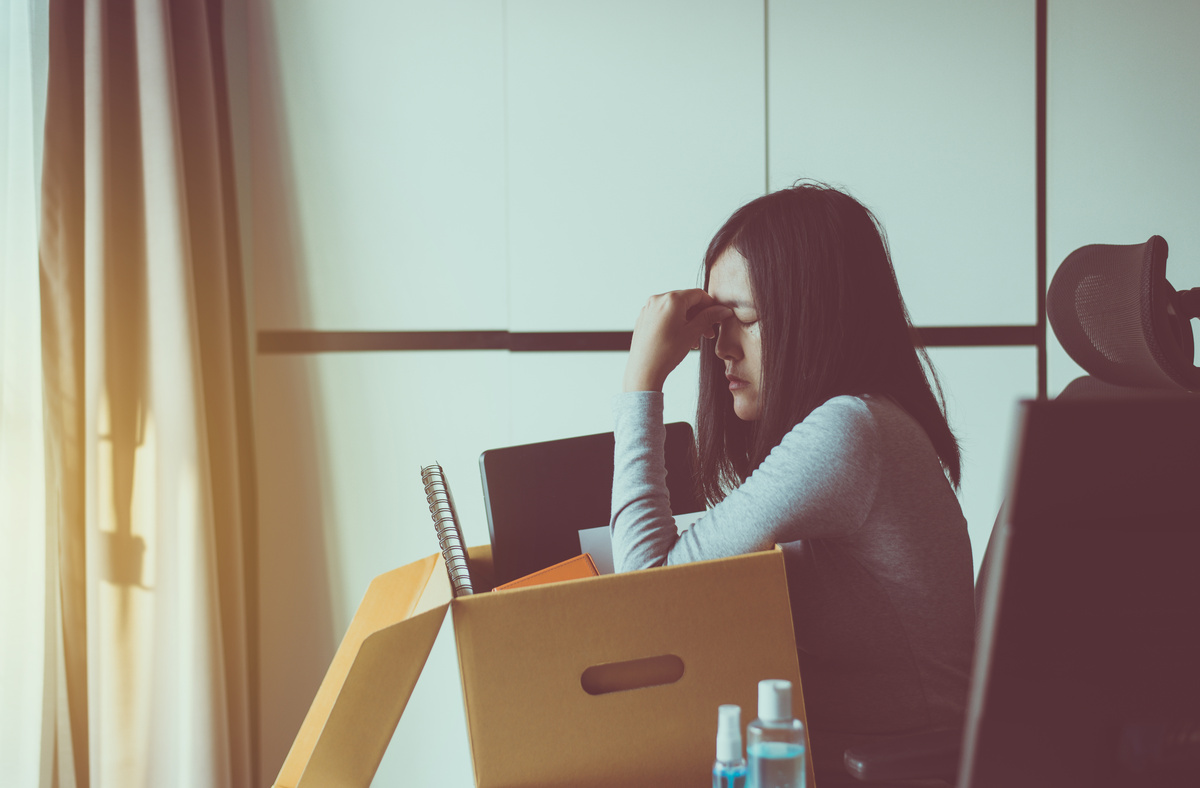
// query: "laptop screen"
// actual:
[[539, 497]]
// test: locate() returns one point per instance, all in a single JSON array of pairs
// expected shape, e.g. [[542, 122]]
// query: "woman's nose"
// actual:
[[727, 348]]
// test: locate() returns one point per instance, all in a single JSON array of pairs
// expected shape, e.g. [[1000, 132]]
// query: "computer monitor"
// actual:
[[1088, 665]]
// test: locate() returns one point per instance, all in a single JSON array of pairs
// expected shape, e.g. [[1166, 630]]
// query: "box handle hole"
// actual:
[[634, 674]]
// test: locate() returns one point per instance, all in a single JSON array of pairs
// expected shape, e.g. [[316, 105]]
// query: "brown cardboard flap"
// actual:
[[479, 562], [370, 680], [373, 697]]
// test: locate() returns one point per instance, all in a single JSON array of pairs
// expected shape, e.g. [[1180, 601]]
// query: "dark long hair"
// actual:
[[832, 322]]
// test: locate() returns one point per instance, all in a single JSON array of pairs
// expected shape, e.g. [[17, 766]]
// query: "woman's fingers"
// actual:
[[669, 325], [687, 313], [707, 317], [693, 301]]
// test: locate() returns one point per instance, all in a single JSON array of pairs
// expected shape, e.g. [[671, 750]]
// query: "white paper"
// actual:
[[598, 542]]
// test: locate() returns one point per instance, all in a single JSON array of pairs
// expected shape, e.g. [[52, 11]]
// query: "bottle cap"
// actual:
[[729, 733], [774, 700]]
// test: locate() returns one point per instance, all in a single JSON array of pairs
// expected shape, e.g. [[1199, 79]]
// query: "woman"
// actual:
[[818, 430]]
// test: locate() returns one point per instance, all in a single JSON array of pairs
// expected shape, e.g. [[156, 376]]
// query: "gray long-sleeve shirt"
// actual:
[[876, 548]]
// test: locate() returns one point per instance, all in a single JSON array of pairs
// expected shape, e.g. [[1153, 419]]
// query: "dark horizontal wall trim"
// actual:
[[978, 336], [275, 342], [353, 341], [569, 340]]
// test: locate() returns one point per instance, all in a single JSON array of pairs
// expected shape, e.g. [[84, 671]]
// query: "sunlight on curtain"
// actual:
[[144, 354], [22, 489]]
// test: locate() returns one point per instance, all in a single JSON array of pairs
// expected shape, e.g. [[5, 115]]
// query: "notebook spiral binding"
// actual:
[[445, 523]]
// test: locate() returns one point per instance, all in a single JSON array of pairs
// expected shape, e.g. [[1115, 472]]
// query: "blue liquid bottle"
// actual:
[[729, 770], [775, 741]]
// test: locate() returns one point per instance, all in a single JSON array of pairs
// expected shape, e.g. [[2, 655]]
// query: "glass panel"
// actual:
[[377, 141], [559, 395], [634, 130], [925, 111], [983, 387]]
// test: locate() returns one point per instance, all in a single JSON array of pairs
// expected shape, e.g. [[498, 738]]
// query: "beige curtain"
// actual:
[[22, 496], [149, 484]]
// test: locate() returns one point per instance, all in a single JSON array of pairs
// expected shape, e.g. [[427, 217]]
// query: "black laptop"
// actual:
[[539, 496]]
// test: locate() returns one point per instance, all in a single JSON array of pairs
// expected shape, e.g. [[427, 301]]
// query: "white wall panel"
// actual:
[[983, 387], [925, 111], [341, 440], [634, 130], [378, 139], [560, 395], [1124, 115]]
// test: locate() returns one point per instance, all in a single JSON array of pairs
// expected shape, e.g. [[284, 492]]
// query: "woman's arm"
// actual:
[[819, 482]]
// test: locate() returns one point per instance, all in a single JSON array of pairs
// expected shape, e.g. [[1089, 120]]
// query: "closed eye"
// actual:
[[747, 318]]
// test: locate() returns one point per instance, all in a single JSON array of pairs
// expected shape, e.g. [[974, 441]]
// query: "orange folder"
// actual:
[[572, 569]]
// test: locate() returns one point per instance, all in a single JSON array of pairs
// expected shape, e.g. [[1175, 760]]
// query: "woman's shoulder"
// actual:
[[847, 411], [866, 408], [876, 420], [858, 418], [845, 422]]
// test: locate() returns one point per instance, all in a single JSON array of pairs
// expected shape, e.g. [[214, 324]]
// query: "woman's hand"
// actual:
[[668, 327]]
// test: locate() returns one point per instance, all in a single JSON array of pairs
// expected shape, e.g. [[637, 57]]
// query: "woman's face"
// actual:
[[738, 342]]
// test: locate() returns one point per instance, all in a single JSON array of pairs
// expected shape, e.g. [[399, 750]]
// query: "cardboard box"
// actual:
[[552, 675]]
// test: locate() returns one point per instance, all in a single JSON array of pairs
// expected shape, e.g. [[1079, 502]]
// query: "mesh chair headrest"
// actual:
[[1116, 314]]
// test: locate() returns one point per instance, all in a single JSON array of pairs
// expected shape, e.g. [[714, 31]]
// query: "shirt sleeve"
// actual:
[[819, 482]]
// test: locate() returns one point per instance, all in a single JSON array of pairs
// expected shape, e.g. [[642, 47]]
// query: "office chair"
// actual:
[[1118, 317], [1115, 313]]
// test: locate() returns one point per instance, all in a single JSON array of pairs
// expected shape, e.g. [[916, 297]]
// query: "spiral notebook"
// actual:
[[445, 523]]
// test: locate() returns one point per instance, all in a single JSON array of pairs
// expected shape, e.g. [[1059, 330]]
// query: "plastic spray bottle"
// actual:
[[729, 770], [775, 741]]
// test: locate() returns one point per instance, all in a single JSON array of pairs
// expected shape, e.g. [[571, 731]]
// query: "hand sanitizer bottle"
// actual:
[[775, 741], [729, 770]]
